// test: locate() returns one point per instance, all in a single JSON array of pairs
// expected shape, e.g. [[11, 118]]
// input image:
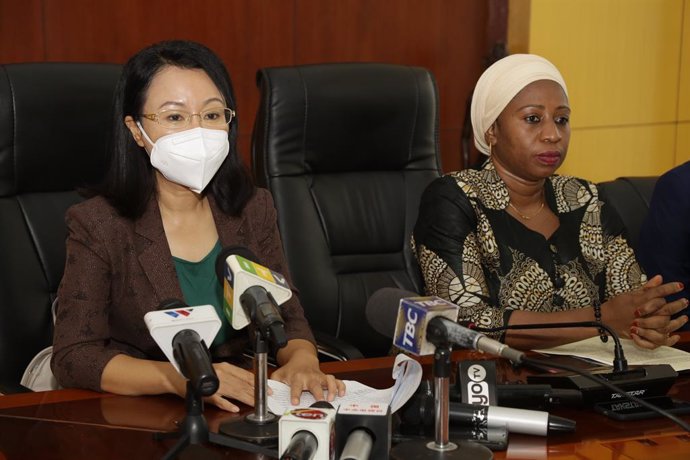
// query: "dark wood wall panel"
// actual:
[[246, 35], [21, 31], [447, 36]]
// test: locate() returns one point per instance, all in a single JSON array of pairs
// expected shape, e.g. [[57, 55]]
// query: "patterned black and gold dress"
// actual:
[[475, 254]]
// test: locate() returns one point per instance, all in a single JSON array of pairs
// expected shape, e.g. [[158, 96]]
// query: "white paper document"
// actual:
[[596, 350], [407, 374]]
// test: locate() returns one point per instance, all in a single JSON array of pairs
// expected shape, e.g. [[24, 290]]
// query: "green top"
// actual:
[[200, 286]]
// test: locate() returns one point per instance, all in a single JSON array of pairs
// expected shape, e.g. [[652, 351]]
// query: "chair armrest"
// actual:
[[335, 349]]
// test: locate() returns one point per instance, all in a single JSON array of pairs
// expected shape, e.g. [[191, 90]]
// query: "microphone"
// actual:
[[264, 313], [620, 364], [515, 420], [182, 332], [306, 434], [480, 418], [525, 395], [303, 446], [256, 289], [358, 445], [444, 330], [182, 335], [252, 292], [381, 309], [171, 303], [363, 431], [417, 324], [194, 358]]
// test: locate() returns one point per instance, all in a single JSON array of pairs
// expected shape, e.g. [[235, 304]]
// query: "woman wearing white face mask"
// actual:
[[175, 193]]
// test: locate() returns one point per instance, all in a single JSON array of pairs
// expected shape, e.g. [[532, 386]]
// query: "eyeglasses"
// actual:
[[210, 118]]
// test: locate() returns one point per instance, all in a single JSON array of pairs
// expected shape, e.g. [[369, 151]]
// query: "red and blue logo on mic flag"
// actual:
[[180, 312]]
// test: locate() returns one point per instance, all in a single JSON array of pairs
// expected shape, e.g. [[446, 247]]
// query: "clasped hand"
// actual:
[[644, 315]]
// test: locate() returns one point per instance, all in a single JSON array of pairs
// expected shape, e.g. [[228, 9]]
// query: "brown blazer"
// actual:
[[117, 270]]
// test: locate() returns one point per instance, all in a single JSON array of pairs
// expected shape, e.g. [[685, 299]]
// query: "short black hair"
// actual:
[[130, 180]]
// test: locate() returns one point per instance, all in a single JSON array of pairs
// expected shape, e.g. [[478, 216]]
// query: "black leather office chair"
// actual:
[[630, 196], [54, 120], [346, 150]]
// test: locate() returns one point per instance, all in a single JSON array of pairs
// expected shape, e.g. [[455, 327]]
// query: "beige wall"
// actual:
[[627, 66], [683, 134]]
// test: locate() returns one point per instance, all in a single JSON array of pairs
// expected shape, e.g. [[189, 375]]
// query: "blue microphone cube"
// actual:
[[414, 314]]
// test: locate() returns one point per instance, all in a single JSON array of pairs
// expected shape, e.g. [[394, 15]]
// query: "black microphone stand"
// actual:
[[441, 447], [194, 429], [260, 426]]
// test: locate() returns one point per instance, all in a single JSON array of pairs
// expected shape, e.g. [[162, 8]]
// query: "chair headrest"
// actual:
[[347, 117], [55, 120]]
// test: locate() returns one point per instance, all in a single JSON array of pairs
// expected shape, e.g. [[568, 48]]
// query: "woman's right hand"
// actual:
[[644, 315], [235, 383]]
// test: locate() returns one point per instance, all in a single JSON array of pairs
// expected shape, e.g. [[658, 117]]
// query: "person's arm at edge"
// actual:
[[126, 375], [664, 241]]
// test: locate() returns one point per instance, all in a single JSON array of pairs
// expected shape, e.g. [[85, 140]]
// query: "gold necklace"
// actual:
[[524, 216]]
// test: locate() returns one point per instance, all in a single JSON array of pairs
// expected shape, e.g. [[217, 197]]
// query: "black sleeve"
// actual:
[[446, 246]]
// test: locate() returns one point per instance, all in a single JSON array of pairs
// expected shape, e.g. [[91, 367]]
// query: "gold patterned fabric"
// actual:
[[473, 253]]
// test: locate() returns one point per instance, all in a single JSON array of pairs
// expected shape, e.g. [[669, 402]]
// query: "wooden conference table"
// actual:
[[77, 424]]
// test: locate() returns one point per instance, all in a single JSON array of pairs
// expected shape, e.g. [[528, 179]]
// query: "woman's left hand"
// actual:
[[654, 327], [302, 373], [657, 330]]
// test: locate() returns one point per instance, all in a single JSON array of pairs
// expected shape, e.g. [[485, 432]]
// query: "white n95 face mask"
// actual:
[[190, 158]]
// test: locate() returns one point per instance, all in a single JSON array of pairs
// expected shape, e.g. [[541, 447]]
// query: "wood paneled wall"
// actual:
[[450, 37]]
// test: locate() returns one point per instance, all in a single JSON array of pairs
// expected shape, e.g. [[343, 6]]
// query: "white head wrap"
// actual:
[[499, 84]]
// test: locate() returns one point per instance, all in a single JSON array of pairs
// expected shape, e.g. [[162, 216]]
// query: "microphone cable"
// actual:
[[544, 366], [620, 364]]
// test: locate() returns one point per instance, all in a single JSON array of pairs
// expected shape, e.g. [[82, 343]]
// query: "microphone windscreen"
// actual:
[[232, 251], [382, 309], [322, 405], [169, 304]]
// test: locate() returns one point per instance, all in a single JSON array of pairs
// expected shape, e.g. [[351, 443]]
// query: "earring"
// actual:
[[490, 146]]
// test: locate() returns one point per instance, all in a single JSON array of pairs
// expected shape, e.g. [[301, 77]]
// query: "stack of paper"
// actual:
[[407, 374], [602, 352]]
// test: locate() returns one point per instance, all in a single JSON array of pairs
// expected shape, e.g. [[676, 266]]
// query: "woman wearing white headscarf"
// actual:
[[512, 243]]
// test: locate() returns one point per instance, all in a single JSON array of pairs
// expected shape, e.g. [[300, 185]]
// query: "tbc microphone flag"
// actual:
[[241, 274], [423, 322], [414, 315]]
